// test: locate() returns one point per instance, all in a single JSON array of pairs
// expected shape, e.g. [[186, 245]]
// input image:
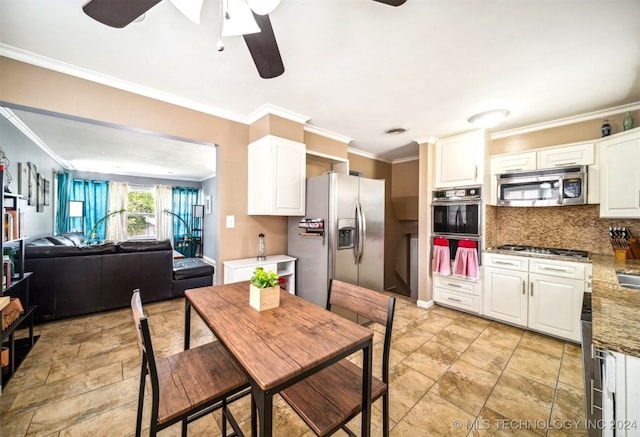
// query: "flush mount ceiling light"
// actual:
[[489, 119], [395, 131]]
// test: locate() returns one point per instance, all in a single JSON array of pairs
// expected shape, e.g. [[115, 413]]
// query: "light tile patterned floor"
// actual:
[[451, 374]]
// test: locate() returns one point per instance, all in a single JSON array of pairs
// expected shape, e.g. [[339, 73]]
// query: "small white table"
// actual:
[[242, 269]]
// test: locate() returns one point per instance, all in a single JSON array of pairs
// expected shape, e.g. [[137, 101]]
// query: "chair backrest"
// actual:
[[373, 305], [144, 339]]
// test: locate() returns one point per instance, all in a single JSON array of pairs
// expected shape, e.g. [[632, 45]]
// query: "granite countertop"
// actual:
[[537, 255], [615, 310]]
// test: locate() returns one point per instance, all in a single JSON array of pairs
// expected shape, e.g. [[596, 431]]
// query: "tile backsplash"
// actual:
[[567, 227]]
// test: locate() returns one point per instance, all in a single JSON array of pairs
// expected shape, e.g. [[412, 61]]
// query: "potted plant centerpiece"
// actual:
[[264, 291]]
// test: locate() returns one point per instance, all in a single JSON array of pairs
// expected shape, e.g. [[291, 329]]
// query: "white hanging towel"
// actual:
[[466, 261], [441, 256]]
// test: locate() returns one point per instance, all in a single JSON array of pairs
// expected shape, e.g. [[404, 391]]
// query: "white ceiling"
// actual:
[[357, 67]]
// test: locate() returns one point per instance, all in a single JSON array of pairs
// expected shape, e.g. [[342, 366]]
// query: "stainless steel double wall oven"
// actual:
[[457, 216]]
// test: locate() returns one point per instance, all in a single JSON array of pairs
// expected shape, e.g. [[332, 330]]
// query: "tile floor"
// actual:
[[451, 374]]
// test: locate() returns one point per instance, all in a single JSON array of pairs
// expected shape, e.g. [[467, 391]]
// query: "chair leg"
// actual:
[[385, 415], [143, 377], [184, 427], [224, 418]]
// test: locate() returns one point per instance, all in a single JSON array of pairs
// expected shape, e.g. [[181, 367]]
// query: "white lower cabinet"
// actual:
[[459, 293], [505, 295], [540, 294], [238, 270]]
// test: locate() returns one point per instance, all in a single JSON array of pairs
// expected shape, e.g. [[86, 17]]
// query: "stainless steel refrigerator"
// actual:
[[341, 235]]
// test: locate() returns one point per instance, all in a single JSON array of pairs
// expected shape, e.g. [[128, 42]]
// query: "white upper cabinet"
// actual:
[[513, 162], [620, 175], [460, 160], [566, 156], [276, 178]]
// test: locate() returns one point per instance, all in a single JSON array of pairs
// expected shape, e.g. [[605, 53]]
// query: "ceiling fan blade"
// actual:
[[117, 13], [189, 8], [392, 2], [264, 49]]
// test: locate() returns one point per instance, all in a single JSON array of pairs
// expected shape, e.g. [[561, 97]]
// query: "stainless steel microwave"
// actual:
[[554, 187]]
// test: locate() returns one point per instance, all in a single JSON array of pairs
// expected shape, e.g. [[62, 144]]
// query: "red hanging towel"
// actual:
[[466, 262], [441, 256]]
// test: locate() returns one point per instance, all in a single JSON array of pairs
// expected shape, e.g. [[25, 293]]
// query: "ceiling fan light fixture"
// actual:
[[263, 7], [489, 119], [238, 19]]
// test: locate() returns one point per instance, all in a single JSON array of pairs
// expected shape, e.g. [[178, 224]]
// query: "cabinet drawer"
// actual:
[[244, 273], [560, 269], [456, 285], [505, 261], [458, 300]]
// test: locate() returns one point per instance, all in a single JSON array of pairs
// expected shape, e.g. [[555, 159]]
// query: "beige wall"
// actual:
[[24, 84]]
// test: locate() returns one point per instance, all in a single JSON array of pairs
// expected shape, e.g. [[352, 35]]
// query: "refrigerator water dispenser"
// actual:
[[346, 233]]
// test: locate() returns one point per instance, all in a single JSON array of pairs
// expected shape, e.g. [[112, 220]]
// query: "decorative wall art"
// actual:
[[47, 192], [207, 204], [40, 194], [23, 179], [33, 184]]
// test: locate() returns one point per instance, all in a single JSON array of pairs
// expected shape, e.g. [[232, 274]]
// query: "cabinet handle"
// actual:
[[455, 300], [523, 287], [476, 176], [514, 169], [505, 263], [531, 288], [455, 285], [565, 164], [553, 269]]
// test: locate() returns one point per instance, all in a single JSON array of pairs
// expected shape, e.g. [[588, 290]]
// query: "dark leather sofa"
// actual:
[[70, 279]]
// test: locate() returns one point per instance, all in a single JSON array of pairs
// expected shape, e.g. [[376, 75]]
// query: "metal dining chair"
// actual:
[[330, 398], [187, 385]]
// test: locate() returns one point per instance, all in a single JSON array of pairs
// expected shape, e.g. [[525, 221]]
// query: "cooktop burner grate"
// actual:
[[545, 250]]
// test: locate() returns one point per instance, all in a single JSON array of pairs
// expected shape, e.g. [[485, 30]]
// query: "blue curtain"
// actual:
[[182, 201], [63, 222], [95, 195]]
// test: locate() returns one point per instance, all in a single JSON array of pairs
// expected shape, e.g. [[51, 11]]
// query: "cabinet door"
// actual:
[[577, 154], [619, 176], [555, 304], [505, 295], [513, 162], [276, 177], [459, 160]]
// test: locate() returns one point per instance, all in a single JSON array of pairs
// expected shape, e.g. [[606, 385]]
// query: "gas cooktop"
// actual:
[[550, 251]]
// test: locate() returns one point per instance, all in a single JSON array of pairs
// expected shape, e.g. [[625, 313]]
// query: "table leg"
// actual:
[[187, 324], [366, 389], [264, 404]]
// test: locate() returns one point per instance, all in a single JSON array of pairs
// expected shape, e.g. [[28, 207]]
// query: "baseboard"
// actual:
[[425, 304]]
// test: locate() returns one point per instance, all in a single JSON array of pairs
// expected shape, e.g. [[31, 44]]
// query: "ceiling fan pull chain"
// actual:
[[220, 44]]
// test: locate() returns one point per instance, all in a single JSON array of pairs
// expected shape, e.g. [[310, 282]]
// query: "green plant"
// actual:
[[262, 279]]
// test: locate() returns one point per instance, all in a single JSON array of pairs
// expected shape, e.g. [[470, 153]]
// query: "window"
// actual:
[[141, 212]]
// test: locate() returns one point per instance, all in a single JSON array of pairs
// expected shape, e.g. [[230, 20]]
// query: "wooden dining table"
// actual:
[[281, 346]]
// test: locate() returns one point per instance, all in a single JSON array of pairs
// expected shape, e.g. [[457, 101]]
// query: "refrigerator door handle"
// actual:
[[356, 243], [361, 228]]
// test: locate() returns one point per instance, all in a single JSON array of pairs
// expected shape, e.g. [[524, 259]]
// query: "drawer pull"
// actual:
[[555, 269], [455, 285], [455, 300], [505, 263]]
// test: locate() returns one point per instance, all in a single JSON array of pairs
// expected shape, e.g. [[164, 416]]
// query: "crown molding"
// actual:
[[103, 79], [603, 113], [327, 134], [366, 154], [268, 109], [407, 159], [431, 140]]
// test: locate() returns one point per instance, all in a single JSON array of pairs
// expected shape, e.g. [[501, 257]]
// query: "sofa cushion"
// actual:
[[60, 240], [40, 242], [64, 251], [76, 237], [191, 268], [143, 245]]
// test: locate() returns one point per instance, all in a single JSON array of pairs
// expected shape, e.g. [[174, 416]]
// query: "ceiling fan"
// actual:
[[261, 43]]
